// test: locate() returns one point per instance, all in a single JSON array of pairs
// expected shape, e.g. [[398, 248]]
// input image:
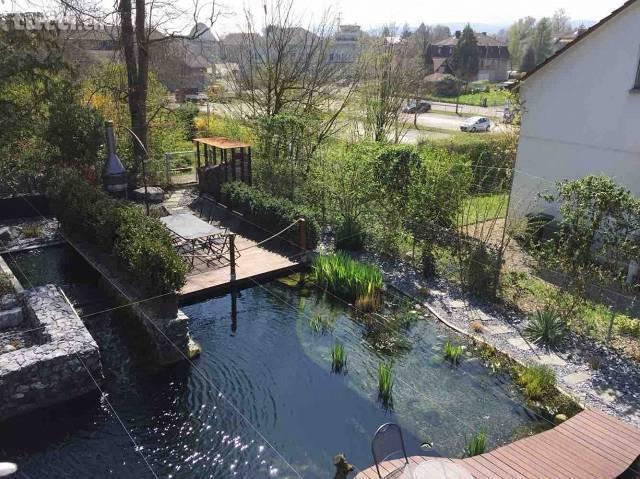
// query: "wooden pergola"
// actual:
[[233, 156]]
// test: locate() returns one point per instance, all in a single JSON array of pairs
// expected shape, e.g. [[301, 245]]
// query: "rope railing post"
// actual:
[[232, 256], [302, 238]]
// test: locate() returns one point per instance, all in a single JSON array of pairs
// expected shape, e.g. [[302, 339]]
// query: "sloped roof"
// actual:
[[580, 37], [483, 40]]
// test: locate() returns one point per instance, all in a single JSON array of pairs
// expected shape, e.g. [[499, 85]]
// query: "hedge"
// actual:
[[492, 158], [271, 212], [140, 244]]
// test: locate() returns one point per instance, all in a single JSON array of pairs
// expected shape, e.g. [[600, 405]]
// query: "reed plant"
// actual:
[[477, 445], [452, 352], [338, 358], [385, 384], [351, 280], [320, 325], [537, 381]]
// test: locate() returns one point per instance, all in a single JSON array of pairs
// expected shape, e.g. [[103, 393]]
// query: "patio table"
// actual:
[[198, 234], [440, 469]]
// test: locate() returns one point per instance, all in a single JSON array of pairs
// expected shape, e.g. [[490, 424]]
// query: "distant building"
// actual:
[[494, 57], [346, 45]]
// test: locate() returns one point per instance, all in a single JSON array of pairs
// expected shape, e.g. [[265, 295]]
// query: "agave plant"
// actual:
[[545, 328], [338, 358], [385, 384]]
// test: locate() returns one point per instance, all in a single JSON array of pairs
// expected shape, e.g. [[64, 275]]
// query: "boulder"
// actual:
[[155, 194], [7, 234]]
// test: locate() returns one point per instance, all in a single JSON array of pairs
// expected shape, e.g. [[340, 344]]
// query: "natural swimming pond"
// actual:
[[265, 370]]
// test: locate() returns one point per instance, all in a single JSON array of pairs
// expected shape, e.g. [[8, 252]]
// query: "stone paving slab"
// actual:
[[519, 343], [577, 378], [551, 359], [499, 329]]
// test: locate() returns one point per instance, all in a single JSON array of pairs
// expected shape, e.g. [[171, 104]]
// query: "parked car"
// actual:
[[420, 106], [476, 123]]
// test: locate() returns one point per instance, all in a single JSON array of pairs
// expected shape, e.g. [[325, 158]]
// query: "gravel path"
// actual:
[[595, 375]]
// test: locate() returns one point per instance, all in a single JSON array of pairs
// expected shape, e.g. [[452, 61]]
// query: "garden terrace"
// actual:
[[589, 445], [254, 260]]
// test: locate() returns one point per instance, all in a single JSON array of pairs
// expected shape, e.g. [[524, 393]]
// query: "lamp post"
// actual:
[[144, 169]]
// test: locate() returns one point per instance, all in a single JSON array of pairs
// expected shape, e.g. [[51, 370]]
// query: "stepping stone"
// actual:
[[456, 303], [499, 329], [551, 360], [519, 343], [608, 395], [154, 193], [577, 378]]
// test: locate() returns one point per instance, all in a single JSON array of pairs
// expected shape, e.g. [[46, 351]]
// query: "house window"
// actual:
[[636, 85]]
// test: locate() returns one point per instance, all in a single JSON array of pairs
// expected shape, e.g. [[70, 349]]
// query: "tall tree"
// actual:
[[528, 60], [421, 43], [440, 32], [465, 62], [560, 23], [542, 39], [406, 31], [519, 34], [388, 78]]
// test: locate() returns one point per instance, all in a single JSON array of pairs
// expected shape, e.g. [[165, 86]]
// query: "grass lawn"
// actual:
[[494, 98], [483, 208]]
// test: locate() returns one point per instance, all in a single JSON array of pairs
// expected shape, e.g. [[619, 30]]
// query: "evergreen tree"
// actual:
[[528, 60], [465, 62]]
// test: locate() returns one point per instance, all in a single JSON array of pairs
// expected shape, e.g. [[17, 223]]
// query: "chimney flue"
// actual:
[[114, 174], [458, 33]]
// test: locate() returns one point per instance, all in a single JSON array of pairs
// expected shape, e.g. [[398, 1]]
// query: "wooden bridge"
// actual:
[[589, 445]]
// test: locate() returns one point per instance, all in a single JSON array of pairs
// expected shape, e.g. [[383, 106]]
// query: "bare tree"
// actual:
[[292, 91], [388, 81]]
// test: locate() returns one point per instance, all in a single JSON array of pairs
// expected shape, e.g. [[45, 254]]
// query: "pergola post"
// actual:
[[233, 164]]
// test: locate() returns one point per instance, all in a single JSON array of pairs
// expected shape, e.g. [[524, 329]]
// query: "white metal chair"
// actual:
[[387, 444]]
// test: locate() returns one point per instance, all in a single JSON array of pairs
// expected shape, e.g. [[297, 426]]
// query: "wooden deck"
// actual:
[[254, 263], [589, 445]]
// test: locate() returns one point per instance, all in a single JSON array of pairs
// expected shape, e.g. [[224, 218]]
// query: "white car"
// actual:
[[476, 123]]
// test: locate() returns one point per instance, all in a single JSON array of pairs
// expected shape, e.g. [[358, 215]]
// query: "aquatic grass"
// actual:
[[320, 325], [338, 358], [477, 445], [31, 230], [385, 384], [537, 381], [351, 280], [452, 352]]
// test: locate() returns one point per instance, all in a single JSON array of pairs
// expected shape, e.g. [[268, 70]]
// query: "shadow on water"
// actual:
[[262, 369]]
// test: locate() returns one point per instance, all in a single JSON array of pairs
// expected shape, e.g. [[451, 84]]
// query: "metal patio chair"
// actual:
[[387, 444]]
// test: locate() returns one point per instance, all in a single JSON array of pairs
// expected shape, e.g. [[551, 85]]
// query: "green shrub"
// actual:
[[477, 445], [5, 284], [537, 381], [492, 158], [451, 352], [270, 212], [350, 236], [545, 328], [385, 384], [348, 278], [338, 358], [186, 115], [140, 243]]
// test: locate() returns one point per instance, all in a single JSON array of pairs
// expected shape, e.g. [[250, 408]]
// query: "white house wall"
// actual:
[[580, 115]]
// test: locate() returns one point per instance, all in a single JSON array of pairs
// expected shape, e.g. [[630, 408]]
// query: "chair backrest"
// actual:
[[387, 443]]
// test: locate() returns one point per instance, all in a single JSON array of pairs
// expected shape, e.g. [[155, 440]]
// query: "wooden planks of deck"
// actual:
[[255, 262], [589, 445]]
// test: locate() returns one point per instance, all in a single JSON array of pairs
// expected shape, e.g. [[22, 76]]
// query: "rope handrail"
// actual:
[[272, 236]]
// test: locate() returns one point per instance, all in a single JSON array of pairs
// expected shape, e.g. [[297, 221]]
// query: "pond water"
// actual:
[[263, 383]]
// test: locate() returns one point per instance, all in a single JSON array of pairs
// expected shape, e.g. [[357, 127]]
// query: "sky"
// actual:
[[484, 15], [375, 13]]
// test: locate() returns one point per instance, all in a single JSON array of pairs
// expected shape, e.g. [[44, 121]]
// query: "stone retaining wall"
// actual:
[[55, 369]]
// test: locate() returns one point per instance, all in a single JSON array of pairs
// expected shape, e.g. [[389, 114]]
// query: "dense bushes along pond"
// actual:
[[271, 212], [140, 243]]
